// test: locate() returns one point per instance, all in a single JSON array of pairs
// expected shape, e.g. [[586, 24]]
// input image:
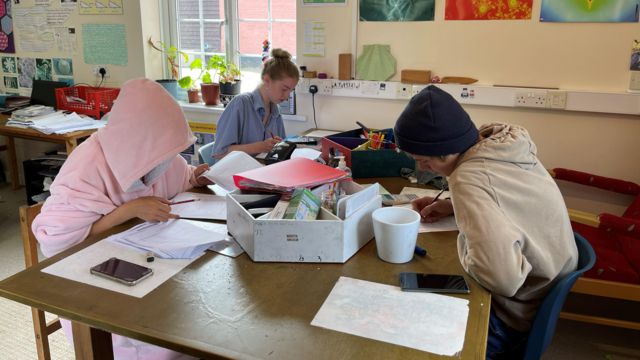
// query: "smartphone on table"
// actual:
[[122, 271], [437, 283]]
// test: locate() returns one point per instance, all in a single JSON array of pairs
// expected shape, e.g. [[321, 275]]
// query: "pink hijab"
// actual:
[[146, 128]]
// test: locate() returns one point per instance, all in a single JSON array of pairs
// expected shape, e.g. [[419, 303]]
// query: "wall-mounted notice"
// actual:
[[314, 38], [100, 7], [589, 11], [104, 44], [32, 30], [66, 40], [488, 10]]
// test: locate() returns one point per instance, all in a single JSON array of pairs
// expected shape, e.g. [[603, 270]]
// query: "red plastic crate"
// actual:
[[98, 101]]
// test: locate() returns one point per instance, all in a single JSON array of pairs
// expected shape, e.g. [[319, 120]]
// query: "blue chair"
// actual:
[[544, 324], [204, 154]]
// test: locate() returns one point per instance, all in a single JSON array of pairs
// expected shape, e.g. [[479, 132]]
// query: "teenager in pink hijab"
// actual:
[[128, 169]]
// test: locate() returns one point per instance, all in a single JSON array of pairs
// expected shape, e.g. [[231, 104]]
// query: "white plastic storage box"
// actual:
[[327, 239]]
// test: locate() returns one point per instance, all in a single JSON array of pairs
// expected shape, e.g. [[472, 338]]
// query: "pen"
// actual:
[[271, 133], [438, 195], [420, 251], [183, 201]]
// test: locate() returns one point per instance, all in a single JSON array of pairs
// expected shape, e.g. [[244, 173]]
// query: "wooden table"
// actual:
[[70, 140], [221, 307]]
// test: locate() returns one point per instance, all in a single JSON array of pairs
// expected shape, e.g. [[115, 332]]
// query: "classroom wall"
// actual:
[[141, 20], [523, 53]]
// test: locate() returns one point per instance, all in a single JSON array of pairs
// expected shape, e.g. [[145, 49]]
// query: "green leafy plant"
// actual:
[[206, 73], [172, 53], [229, 73]]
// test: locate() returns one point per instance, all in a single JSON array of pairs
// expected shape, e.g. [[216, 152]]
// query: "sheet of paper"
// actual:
[[319, 133], [308, 153], [446, 224], [174, 239], [235, 162], [213, 207], [228, 247], [419, 320], [76, 267]]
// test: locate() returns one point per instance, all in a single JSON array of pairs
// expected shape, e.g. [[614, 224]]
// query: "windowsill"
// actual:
[[218, 109]]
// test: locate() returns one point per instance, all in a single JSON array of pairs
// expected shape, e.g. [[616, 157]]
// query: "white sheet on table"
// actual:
[[419, 320]]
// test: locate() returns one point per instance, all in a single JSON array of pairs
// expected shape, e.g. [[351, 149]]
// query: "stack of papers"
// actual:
[[174, 239], [54, 122]]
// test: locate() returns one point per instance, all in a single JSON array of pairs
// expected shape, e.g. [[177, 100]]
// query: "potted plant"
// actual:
[[171, 53], [229, 79], [190, 83]]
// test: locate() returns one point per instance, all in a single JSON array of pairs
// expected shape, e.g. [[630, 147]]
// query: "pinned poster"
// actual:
[[382, 10], [590, 11], [488, 10]]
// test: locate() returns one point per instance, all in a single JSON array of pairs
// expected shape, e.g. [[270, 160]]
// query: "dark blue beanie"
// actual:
[[434, 124]]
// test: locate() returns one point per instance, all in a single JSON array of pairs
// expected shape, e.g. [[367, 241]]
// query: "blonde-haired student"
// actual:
[[252, 122]]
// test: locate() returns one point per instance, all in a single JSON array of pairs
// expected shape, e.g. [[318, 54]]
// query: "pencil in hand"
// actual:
[[184, 201]]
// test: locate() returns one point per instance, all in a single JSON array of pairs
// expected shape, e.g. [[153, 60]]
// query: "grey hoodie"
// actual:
[[515, 236]]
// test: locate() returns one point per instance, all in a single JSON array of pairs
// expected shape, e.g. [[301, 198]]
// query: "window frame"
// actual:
[[230, 25]]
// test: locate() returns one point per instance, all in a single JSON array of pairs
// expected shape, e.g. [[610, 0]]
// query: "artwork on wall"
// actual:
[[62, 67], [488, 9], [43, 69], [590, 11], [396, 10], [9, 65], [7, 43], [26, 71], [635, 56], [11, 82]]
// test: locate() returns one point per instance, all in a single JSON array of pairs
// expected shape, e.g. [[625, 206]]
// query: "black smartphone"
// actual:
[[280, 151], [438, 283], [122, 271]]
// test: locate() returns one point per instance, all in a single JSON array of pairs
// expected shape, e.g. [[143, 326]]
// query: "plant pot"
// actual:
[[230, 88], [171, 85], [193, 95], [210, 93]]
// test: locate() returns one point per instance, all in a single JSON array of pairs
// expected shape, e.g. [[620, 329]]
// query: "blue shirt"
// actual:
[[241, 122]]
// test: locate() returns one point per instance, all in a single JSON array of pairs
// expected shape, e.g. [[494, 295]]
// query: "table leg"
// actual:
[[13, 162], [90, 343], [71, 144]]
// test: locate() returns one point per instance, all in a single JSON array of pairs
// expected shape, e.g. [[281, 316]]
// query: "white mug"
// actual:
[[396, 232]]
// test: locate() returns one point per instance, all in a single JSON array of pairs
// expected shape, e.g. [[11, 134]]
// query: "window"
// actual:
[[235, 29]]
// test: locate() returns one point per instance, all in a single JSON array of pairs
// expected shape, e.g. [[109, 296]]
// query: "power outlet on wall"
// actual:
[[534, 99], [97, 71]]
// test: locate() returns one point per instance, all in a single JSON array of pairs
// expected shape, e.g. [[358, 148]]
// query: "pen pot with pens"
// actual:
[[367, 152]]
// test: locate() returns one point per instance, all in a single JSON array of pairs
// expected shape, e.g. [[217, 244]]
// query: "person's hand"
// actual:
[[150, 208], [432, 212], [201, 180], [266, 145]]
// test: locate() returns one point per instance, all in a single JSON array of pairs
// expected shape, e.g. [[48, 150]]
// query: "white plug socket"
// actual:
[[96, 71]]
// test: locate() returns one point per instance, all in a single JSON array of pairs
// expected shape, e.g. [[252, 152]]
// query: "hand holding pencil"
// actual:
[[432, 210]]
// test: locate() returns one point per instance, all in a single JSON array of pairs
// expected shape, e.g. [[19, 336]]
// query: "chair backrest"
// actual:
[[204, 153], [41, 328], [544, 324], [29, 242]]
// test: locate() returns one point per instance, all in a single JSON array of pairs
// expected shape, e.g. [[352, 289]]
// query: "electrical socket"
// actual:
[[415, 89], [96, 71], [534, 99], [303, 86], [403, 91], [556, 99], [324, 86]]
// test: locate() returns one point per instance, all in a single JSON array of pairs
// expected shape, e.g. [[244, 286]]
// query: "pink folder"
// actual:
[[287, 175]]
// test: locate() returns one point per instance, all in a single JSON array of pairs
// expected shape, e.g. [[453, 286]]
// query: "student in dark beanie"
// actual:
[[515, 236]]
